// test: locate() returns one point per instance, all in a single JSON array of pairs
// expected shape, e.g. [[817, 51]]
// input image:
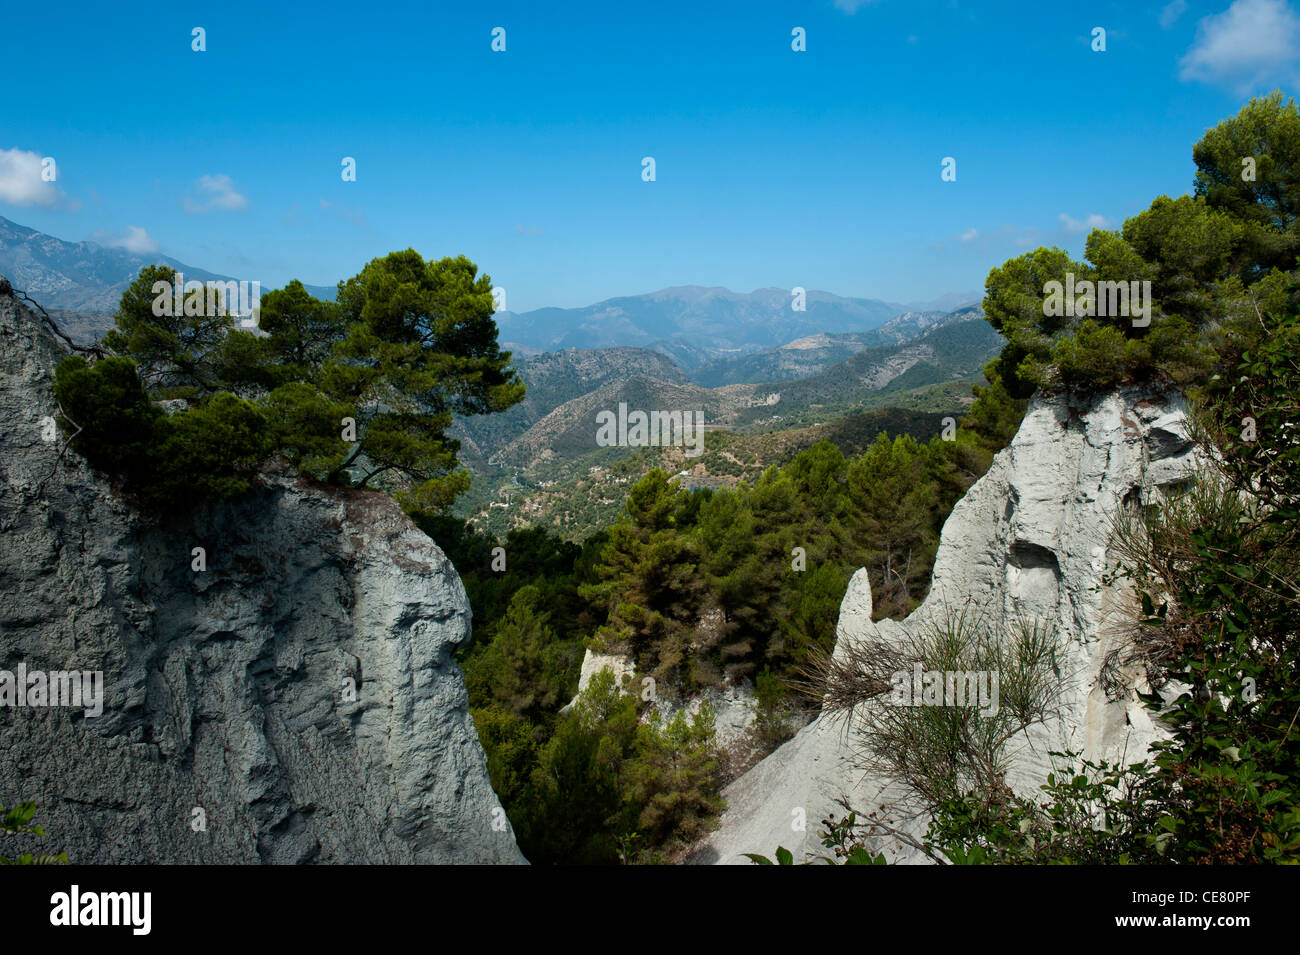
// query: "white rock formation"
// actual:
[[734, 706], [1029, 538], [734, 714], [228, 732], [622, 667]]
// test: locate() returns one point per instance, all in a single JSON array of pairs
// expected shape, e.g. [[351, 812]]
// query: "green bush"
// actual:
[[112, 422], [209, 452], [1217, 570], [608, 788]]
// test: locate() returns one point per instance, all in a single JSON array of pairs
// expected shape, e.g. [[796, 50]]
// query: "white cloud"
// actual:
[[529, 229], [1170, 14], [136, 240], [1071, 224], [20, 180], [219, 193], [970, 235], [1252, 43]]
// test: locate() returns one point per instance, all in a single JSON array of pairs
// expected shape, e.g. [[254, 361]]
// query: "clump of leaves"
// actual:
[[1091, 813], [838, 835], [18, 822]]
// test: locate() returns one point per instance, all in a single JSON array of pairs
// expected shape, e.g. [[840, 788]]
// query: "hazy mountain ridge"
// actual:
[[86, 277], [929, 373], [77, 276], [694, 324], [570, 429], [957, 350], [811, 354]]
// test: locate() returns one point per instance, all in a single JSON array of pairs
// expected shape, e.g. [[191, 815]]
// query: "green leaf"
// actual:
[[860, 856]]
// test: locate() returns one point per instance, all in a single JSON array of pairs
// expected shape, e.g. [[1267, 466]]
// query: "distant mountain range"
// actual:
[[566, 389], [948, 302], [86, 277], [701, 329], [694, 325], [807, 356]]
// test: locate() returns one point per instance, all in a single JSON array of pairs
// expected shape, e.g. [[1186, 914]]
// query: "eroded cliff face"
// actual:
[[1029, 540], [230, 731]]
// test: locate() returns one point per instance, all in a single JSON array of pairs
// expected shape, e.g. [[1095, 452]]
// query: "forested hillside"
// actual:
[[553, 474], [552, 379]]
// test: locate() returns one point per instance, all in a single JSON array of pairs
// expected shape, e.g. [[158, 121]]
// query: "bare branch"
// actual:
[[97, 350]]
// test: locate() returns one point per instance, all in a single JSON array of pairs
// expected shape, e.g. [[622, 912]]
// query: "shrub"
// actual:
[[940, 752], [108, 415], [208, 452]]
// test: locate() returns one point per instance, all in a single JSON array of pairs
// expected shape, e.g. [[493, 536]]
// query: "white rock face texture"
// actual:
[[734, 706], [1029, 539], [592, 663], [228, 734]]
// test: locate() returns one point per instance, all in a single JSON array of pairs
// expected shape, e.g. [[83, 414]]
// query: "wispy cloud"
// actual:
[[999, 240], [1089, 222], [529, 229], [20, 180], [1252, 43], [216, 193], [136, 240], [347, 213], [1170, 14]]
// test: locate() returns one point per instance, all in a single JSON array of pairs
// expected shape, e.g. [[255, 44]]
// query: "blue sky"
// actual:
[[773, 167]]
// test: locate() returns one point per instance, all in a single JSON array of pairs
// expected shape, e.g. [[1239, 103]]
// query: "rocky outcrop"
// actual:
[[734, 705], [622, 668], [1029, 540], [285, 694]]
